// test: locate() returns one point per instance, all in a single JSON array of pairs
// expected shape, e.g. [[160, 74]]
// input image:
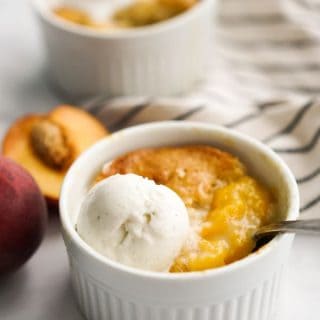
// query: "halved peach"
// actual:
[[46, 145]]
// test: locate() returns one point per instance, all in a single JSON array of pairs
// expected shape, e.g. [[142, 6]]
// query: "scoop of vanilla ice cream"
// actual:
[[134, 221]]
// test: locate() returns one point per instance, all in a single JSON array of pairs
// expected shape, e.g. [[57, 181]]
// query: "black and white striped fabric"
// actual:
[[263, 79]]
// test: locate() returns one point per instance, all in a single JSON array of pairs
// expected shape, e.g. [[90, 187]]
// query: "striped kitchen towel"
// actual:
[[263, 80]]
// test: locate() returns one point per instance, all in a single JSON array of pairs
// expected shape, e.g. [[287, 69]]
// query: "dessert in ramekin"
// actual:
[[121, 14], [225, 207], [246, 289], [166, 58]]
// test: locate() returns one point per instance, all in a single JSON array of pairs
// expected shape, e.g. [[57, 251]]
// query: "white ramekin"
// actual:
[[163, 59], [244, 290]]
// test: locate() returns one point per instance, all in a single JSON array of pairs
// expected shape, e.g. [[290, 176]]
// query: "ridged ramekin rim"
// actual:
[[293, 208]]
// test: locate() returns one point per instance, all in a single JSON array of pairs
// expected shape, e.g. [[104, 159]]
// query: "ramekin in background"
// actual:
[[162, 59], [244, 290]]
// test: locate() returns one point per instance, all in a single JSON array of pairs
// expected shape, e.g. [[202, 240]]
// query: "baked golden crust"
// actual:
[[194, 172]]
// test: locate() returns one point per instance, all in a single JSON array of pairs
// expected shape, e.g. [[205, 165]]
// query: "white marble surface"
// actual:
[[41, 289]]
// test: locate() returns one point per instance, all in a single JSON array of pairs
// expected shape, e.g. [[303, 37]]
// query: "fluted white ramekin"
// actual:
[[162, 59], [244, 290]]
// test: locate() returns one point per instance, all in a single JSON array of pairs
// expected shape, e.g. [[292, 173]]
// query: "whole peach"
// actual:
[[23, 216]]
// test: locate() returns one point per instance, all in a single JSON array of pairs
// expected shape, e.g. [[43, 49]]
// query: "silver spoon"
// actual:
[[308, 227]]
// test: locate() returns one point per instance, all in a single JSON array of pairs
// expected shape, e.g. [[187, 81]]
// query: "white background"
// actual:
[[41, 289]]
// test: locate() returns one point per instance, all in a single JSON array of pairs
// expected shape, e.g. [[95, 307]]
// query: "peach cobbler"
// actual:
[[136, 14], [225, 204]]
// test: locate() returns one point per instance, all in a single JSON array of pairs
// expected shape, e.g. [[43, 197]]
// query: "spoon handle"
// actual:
[[311, 226]]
